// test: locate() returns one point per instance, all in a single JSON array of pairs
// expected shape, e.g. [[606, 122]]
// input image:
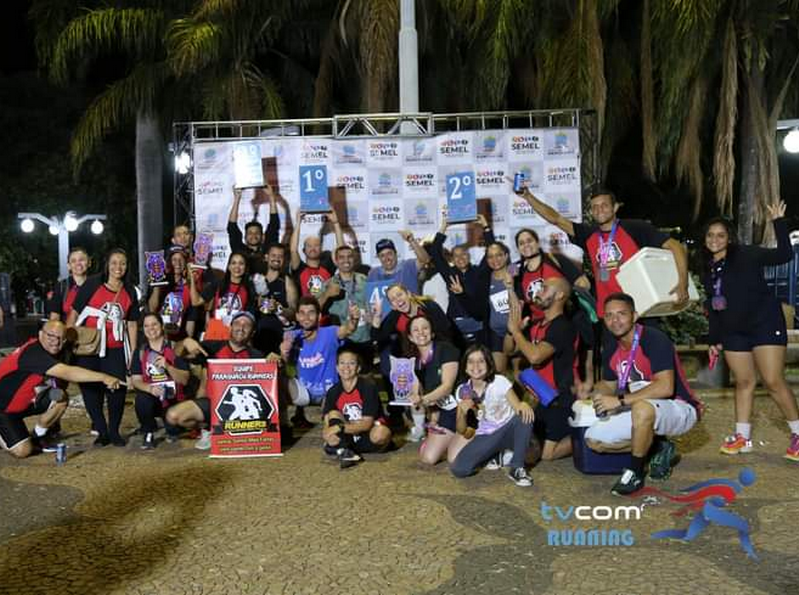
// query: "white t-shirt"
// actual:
[[495, 410]]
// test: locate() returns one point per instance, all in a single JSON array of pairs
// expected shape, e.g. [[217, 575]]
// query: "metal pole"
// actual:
[[63, 250], [408, 63]]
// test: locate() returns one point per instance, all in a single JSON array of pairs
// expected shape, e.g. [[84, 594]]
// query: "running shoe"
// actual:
[[629, 483], [349, 458], [736, 444], [520, 477], [662, 462], [204, 442], [149, 441], [300, 422], [416, 434], [792, 454], [493, 464], [45, 444]]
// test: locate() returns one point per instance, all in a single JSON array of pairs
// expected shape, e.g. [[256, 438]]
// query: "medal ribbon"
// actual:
[[604, 246], [624, 377]]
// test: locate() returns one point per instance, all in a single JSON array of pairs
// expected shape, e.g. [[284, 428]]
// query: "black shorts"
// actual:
[[12, 425], [362, 444], [204, 403], [552, 423], [769, 329]]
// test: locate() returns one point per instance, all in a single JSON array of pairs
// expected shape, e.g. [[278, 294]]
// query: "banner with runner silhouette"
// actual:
[[244, 408]]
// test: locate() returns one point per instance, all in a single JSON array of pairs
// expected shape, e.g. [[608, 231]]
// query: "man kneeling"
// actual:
[[27, 389], [643, 394], [353, 414]]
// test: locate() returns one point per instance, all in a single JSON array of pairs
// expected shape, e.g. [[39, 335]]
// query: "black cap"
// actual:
[[383, 244]]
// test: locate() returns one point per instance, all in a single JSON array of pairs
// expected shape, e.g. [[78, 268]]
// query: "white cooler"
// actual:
[[648, 277]]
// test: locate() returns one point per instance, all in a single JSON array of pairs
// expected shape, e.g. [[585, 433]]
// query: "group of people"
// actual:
[[500, 350]]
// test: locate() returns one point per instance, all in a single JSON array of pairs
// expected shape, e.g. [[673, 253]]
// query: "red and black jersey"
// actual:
[[61, 299], [532, 282], [143, 364], [558, 370], [119, 306], [312, 280], [631, 236], [236, 297], [655, 354], [362, 401], [20, 374]]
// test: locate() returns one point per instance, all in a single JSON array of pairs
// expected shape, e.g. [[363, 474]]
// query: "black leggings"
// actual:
[[148, 408], [94, 392]]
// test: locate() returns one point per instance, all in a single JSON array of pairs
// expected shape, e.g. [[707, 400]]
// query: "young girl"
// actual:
[[504, 422]]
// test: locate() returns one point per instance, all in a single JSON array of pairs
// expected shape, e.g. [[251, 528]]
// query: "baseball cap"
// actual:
[[383, 244], [238, 315]]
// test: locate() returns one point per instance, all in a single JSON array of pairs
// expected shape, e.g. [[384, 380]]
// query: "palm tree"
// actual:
[[133, 35], [754, 72]]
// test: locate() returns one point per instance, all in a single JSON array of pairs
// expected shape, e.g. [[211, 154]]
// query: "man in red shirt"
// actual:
[[27, 387], [611, 242]]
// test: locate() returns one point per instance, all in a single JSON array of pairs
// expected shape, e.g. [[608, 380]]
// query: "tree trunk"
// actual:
[[750, 161], [149, 188]]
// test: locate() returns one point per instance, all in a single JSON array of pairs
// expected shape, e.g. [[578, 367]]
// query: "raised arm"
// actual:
[[422, 257], [548, 213], [294, 243], [235, 238], [272, 233], [333, 218]]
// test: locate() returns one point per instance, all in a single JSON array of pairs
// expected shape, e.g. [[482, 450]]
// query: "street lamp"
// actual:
[[791, 140], [61, 228]]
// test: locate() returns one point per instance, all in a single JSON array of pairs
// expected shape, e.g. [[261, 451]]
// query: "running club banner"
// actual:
[[244, 408], [381, 185]]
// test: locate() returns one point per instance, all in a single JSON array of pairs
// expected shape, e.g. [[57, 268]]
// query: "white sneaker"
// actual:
[[493, 464], [416, 434], [204, 441]]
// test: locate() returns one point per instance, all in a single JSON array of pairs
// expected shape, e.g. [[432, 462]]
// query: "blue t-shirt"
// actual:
[[406, 273], [316, 361]]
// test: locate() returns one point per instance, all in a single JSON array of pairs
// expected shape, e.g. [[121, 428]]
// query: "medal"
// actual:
[[604, 275], [604, 253], [718, 303]]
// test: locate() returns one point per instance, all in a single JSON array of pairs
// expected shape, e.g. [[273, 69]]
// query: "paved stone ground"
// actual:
[[174, 522]]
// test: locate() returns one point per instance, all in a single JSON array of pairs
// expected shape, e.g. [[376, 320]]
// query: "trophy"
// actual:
[[202, 249], [156, 268]]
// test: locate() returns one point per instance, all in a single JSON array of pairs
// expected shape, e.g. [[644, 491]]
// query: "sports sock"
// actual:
[[637, 465], [744, 430], [794, 425], [39, 431]]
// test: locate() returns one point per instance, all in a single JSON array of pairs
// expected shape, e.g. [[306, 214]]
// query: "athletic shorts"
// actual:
[[204, 403], [552, 423], [768, 330], [673, 417], [12, 425], [362, 444]]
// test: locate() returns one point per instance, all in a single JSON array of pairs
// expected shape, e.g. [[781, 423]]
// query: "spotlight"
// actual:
[[53, 230], [791, 141], [182, 162], [27, 225], [70, 222], [97, 227]]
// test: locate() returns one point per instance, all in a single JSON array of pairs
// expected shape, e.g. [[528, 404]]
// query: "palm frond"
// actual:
[[726, 118], [135, 31], [139, 90], [192, 45], [688, 162]]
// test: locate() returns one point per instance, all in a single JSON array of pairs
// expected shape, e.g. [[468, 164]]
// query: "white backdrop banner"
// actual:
[[388, 185]]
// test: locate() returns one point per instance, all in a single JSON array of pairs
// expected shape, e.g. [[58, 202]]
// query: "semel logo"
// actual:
[[244, 409], [489, 144]]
